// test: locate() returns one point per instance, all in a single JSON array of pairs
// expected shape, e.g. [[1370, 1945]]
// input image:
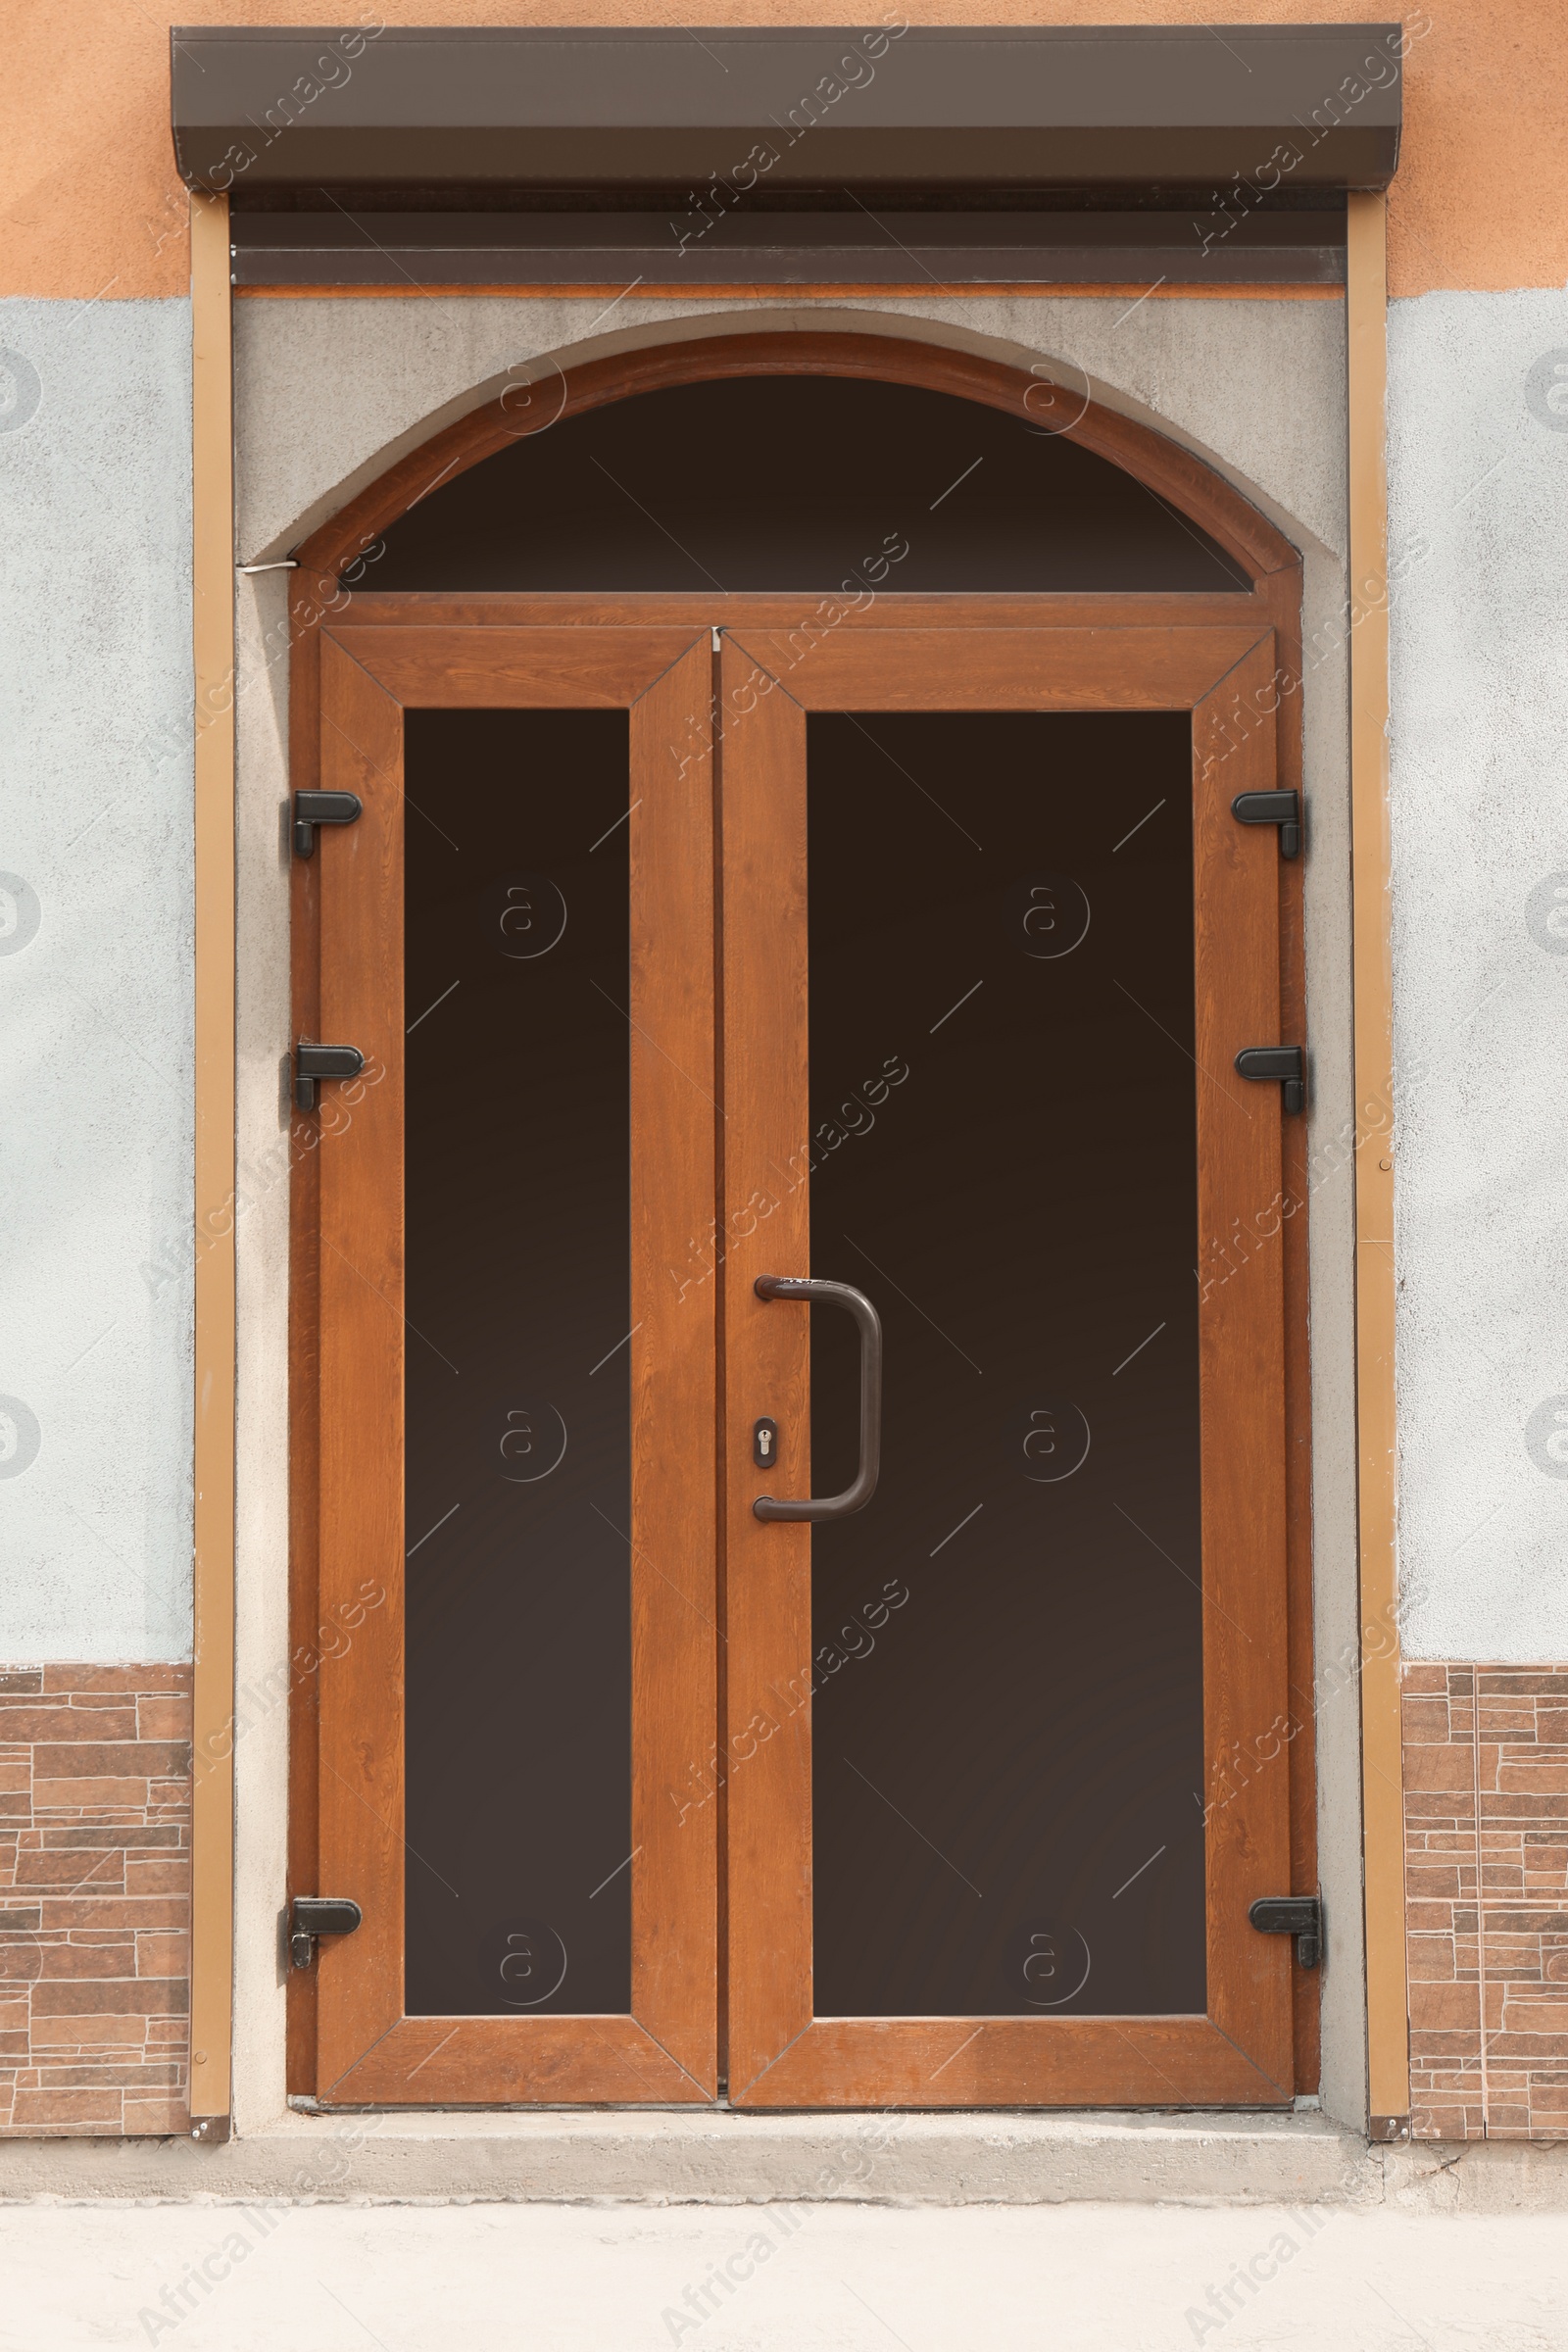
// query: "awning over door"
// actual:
[[1011, 157], [647, 115]]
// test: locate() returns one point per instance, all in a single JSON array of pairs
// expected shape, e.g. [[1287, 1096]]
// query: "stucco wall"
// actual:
[[1478, 461], [95, 980]]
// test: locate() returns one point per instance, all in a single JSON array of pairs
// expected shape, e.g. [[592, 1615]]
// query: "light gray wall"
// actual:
[[95, 980], [1478, 471], [327, 394]]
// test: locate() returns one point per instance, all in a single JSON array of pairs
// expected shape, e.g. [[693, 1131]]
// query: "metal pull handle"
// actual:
[[853, 1302]]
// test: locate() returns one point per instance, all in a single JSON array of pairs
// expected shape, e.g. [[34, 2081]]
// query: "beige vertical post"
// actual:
[[213, 1824], [1366, 309]]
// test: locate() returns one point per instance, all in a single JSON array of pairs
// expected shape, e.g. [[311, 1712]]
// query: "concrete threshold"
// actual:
[[715, 2157]]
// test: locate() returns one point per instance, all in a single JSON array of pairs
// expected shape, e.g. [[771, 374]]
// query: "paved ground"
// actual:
[[776, 2279]]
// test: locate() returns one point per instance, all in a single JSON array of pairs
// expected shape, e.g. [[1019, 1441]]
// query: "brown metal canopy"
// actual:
[[1252, 114]]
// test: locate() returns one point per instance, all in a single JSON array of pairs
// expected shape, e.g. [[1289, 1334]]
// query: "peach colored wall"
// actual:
[[91, 205]]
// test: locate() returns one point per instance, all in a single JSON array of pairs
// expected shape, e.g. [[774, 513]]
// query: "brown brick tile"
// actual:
[[38, 1722], [94, 1774], [86, 1960], [158, 2117], [145, 1995], [119, 2030], [1433, 1768], [1425, 1720], [1431, 1880], [122, 1914], [135, 1678], [1443, 2007], [1543, 2017], [100, 1870], [1440, 1808], [156, 1878], [156, 2075], [1495, 1905], [130, 1834], [163, 1956], [166, 1719], [1523, 1776], [111, 1761], [47, 2107], [104, 1798], [1420, 1681]]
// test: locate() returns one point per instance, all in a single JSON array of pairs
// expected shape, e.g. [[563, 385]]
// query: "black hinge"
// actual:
[[1285, 1065], [312, 1064], [1298, 1915], [312, 808], [312, 1915], [1282, 809]]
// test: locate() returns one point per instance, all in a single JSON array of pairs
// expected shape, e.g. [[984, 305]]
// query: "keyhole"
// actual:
[[764, 1443]]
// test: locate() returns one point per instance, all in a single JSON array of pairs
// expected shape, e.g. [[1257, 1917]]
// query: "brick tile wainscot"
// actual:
[[94, 1898], [1486, 1882]]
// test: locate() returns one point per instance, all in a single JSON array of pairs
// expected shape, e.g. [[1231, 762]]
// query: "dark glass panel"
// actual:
[[795, 482], [518, 1398], [1008, 1727]]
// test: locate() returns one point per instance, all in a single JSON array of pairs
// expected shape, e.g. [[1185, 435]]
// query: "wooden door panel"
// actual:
[[360, 1172], [666, 2048], [768, 1737], [723, 1651], [1013, 2062], [1242, 1366], [780, 2054], [675, 1113], [1074, 667], [440, 668]]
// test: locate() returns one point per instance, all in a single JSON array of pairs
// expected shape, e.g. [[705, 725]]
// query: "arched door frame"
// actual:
[[1039, 393], [336, 575]]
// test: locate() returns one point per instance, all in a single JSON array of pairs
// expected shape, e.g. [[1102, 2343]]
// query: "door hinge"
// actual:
[[312, 808], [1282, 809], [312, 1064], [1298, 1915], [1284, 1065], [312, 1915]]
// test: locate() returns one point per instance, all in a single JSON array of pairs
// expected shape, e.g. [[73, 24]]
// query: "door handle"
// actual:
[[853, 1302]]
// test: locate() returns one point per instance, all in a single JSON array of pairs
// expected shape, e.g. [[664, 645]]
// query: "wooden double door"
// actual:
[[908, 952]]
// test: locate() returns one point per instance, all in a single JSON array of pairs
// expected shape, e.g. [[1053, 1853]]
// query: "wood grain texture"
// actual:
[[214, 1313], [827, 667], [673, 1370], [779, 2055], [1388, 1991], [667, 2049], [304, 1357], [766, 1229], [948, 609], [1013, 2062], [1285, 598], [495, 2061], [1171, 472], [539, 669], [1241, 1367], [359, 1160]]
